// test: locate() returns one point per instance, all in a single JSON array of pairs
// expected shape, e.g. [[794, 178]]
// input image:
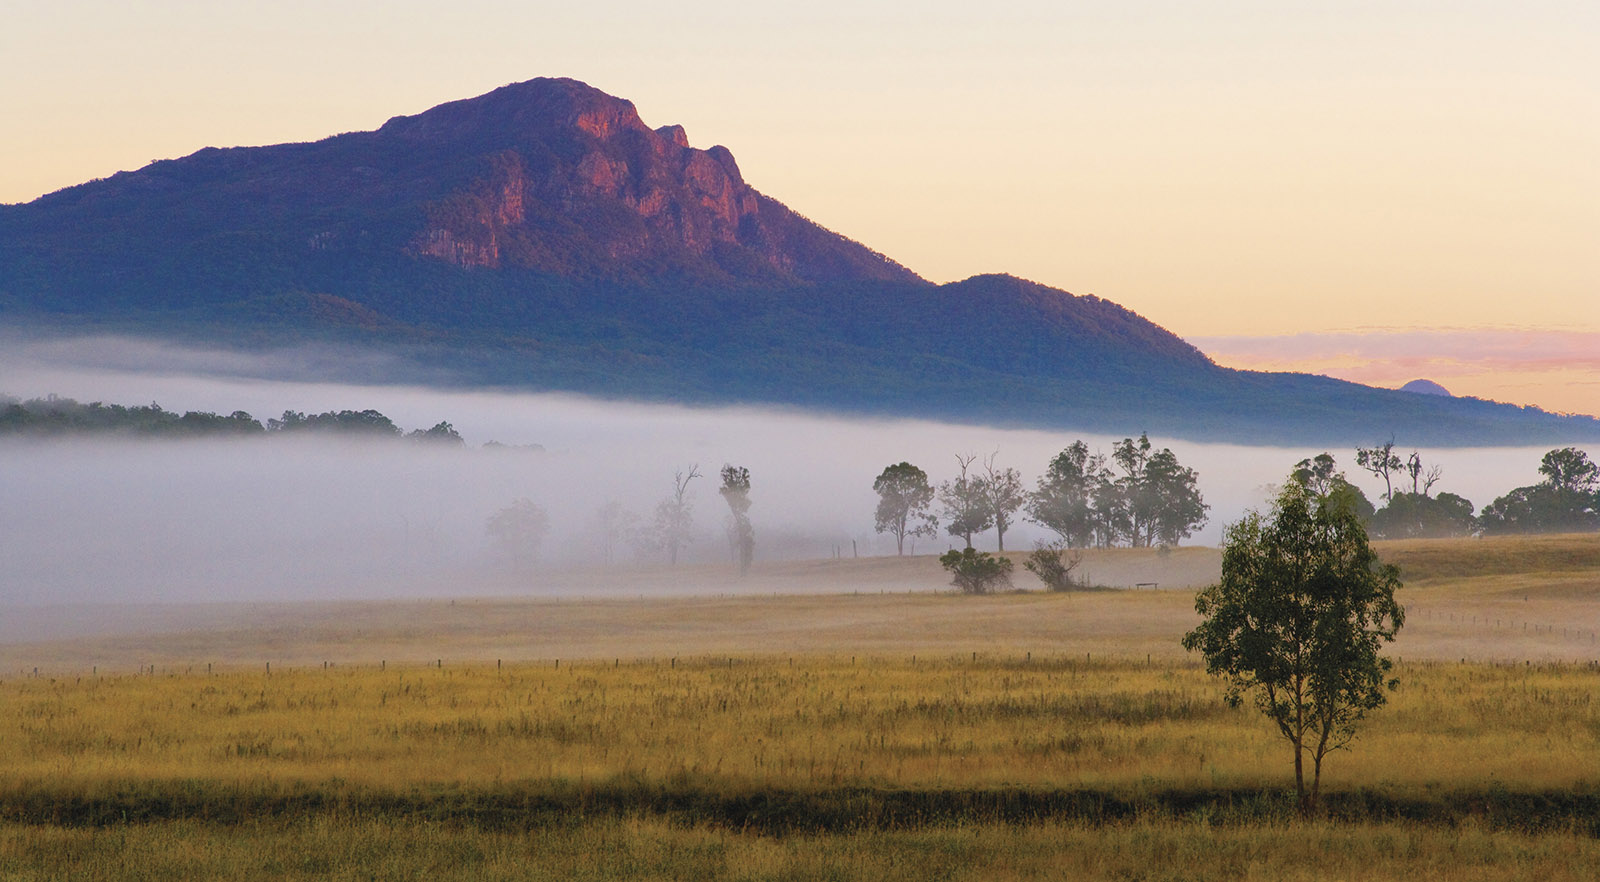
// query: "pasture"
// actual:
[[866, 733]]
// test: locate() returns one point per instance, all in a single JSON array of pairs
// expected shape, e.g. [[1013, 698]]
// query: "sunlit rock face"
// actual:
[[569, 174]]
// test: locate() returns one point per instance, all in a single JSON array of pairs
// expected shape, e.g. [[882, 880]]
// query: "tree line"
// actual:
[[520, 528], [1136, 496], [54, 416], [1567, 500]]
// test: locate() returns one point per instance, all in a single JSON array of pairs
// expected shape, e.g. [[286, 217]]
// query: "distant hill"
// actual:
[[1425, 387], [542, 236]]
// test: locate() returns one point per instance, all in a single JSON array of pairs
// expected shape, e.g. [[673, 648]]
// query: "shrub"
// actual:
[[1053, 564], [976, 572]]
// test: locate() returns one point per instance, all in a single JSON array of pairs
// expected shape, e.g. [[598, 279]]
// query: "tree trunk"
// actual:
[[1316, 782], [1300, 782]]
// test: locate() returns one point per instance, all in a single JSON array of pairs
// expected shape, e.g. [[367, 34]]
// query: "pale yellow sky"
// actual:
[[1229, 168]]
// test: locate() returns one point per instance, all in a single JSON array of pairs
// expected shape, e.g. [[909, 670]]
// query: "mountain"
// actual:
[[1425, 387], [543, 236]]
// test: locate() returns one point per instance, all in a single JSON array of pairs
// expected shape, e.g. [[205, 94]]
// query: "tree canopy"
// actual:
[[1298, 620], [1566, 501], [904, 495]]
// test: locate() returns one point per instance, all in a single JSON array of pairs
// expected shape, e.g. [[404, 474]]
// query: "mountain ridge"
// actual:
[[542, 235]]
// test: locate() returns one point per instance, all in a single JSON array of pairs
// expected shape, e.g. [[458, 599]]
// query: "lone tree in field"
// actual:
[[674, 525], [741, 536], [1297, 619], [903, 498]]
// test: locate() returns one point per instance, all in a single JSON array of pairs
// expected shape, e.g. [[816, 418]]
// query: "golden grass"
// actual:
[[750, 724], [864, 691], [1509, 599], [1158, 851], [1428, 561]]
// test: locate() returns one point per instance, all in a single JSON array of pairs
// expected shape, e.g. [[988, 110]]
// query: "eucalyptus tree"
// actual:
[[965, 503], [735, 490], [904, 495], [1297, 621]]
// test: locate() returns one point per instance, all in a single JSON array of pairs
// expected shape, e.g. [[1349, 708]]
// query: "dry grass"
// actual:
[[1153, 851], [1521, 599], [752, 724], [719, 698]]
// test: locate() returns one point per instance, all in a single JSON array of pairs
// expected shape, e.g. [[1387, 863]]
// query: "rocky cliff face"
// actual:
[[572, 173], [549, 175]]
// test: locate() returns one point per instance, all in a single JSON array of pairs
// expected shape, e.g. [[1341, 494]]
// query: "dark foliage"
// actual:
[[976, 572], [53, 416], [1566, 501]]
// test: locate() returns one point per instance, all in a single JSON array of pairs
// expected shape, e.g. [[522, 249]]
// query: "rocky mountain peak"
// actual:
[[570, 176]]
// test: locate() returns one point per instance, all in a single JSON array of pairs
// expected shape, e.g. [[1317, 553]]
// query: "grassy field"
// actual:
[[793, 736], [1508, 599], [1153, 851]]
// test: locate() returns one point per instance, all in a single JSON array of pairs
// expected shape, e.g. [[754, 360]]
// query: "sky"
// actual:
[[1375, 191]]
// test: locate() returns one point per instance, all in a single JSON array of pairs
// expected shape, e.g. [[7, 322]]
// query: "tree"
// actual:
[[735, 490], [965, 503], [1298, 619], [1112, 519], [674, 524], [1420, 516], [1569, 471], [1422, 480], [1566, 501], [1132, 457], [1178, 509], [442, 434], [518, 530], [1321, 477], [616, 525], [1161, 501], [1316, 474], [1064, 498], [976, 572], [1382, 462], [903, 498], [1003, 495], [1053, 563]]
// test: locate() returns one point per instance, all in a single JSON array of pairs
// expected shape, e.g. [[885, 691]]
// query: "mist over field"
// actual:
[[95, 520]]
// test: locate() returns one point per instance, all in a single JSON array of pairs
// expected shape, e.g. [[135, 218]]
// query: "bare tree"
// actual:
[[1382, 462], [965, 504], [1422, 480], [674, 526], [1002, 490]]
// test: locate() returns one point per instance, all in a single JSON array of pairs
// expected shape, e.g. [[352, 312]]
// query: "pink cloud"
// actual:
[[1555, 369]]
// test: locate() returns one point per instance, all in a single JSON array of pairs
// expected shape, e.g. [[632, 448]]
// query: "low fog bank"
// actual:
[[301, 518]]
